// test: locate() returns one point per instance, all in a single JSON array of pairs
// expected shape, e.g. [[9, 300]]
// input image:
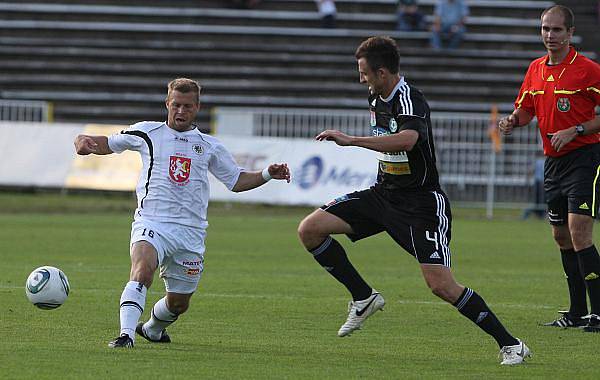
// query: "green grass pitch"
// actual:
[[266, 310]]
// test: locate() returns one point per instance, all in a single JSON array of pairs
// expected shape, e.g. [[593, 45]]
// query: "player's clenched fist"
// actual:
[[85, 145], [279, 171]]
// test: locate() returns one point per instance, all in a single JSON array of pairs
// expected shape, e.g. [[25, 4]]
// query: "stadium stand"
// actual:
[[587, 20], [109, 60]]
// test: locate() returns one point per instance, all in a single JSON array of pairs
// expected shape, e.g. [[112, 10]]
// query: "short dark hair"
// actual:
[[184, 85], [566, 12], [380, 51]]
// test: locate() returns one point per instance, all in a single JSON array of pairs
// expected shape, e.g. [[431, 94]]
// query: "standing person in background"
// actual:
[[328, 13], [538, 184], [407, 202], [169, 226], [449, 23], [538, 205], [562, 89], [409, 16]]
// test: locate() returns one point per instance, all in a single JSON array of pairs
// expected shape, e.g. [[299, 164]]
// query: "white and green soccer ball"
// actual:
[[47, 287]]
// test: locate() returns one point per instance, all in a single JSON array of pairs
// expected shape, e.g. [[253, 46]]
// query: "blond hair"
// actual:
[[184, 85]]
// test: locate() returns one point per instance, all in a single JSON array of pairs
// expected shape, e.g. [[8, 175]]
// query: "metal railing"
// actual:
[[25, 110], [471, 171]]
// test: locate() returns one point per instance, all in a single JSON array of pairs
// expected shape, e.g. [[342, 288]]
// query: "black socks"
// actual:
[[331, 255], [589, 264], [577, 292], [472, 306]]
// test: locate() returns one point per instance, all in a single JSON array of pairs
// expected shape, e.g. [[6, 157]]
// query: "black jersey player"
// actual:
[[407, 201]]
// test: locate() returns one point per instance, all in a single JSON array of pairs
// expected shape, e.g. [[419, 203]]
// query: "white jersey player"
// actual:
[[170, 220]]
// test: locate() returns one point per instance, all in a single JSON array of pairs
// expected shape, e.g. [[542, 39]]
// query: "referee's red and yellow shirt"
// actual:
[[562, 96]]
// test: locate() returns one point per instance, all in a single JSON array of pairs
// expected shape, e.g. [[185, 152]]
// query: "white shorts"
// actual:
[[180, 252]]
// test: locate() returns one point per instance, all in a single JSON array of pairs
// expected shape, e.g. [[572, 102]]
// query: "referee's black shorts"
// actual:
[[419, 222], [571, 184]]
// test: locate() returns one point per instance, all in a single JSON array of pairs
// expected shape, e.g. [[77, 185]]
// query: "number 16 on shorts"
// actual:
[[150, 233]]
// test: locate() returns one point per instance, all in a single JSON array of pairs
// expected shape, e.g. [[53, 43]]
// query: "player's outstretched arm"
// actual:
[[402, 141], [251, 180], [85, 144]]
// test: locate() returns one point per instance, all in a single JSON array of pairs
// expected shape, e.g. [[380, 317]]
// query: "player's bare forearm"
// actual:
[[401, 141], [85, 144], [518, 118], [398, 142], [523, 117], [591, 126], [561, 138], [247, 181], [252, 180]]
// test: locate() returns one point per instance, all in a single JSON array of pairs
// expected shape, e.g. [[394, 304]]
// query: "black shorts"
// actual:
[[571, 184], [419, 222]]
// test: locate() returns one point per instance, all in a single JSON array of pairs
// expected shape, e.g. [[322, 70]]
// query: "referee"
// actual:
[[407, 201], [562, 89]]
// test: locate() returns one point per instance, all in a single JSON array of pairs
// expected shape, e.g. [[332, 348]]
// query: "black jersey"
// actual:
[[407, 109]]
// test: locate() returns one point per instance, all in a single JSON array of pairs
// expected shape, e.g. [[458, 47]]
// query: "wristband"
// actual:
[[265, 174]]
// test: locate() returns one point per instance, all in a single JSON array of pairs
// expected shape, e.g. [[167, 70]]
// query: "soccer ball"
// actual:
[[47, 287]]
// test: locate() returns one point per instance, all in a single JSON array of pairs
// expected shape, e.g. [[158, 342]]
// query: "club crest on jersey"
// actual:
[[393, 125], [563, 104], [198, 149], [179, 169]]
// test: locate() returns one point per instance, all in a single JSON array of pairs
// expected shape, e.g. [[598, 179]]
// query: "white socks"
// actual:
[[161, 318], [133, 300]]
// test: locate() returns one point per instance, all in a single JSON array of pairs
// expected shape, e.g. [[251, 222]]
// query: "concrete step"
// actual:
[[219, 16], [267, 35], [15, 66], [270, 59], [232, 45], [258, 87], [108, 100]]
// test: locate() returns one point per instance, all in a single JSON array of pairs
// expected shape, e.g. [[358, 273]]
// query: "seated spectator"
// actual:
[[409, 16], [449, 23], [328, 13]]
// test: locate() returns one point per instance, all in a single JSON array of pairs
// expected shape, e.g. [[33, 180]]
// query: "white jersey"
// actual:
[[173, 185]]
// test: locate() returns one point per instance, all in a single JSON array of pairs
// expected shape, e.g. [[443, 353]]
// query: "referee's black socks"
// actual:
[[331, 255], [589, 262], [577, 293], [472, 306]]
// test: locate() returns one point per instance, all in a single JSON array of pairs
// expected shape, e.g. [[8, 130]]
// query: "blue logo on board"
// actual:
[[310, 172]]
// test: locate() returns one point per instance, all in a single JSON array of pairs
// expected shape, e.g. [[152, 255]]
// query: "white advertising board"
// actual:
[[321, 170], [34, 154]]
